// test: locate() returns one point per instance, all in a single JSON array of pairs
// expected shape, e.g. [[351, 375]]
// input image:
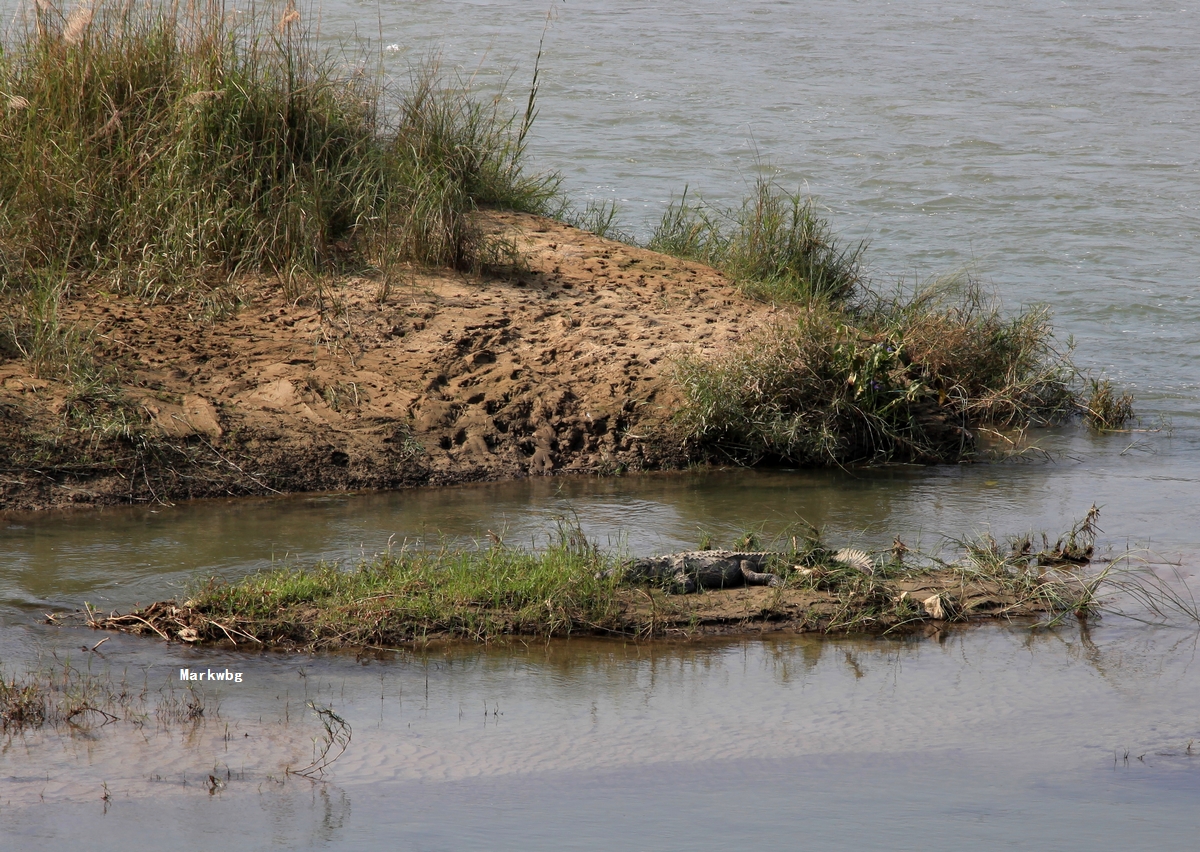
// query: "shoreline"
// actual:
[[358, 313], [732, 613], [413, 598], [563, 367], [572, 361]]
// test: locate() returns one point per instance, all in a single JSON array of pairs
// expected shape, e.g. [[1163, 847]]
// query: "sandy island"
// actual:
[[561, 367]]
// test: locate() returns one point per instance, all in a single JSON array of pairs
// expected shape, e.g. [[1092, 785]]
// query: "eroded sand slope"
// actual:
[[562, 367]]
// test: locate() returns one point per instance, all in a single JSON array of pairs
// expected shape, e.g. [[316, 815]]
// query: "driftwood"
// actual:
[[171, 621], [693, 570]]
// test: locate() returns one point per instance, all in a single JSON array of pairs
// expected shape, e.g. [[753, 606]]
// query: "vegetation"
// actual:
[[166, 150], [572, 587], [405, 597], [63, 695], [903, 379], [1106, 409], [856, 376], [167, 147], [775, 246], [184, 141]]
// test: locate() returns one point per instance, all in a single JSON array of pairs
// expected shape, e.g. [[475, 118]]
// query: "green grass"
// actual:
[[892, 379], [164, 147], [775, 247], [399, 598], [573, 588]]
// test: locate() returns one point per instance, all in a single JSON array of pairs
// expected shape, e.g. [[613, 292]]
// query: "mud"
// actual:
[[559, 364], [937, 598]]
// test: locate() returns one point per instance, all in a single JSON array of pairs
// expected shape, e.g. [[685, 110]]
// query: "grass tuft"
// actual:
[[33, 330], [892, 379], [163, 145], [858, 376], [775, 247], [1106, 409], [80, 700], [22, 704]]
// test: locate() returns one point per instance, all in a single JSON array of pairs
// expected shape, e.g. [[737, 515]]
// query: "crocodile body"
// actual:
[[704, 569]]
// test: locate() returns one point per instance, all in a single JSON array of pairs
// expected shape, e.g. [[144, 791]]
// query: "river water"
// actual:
[[1052, 149]]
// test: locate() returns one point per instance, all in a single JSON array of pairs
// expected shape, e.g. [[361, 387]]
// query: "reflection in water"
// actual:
[[118, 556], [534, 725], [976, 738]]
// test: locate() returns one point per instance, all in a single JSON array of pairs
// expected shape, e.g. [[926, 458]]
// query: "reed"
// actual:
[[166, 147], [891, 378], [1105, 408]]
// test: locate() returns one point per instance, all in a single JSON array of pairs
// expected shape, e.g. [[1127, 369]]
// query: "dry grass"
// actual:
[[573, 588], [890, 380], [166, 148], [1105, 408]]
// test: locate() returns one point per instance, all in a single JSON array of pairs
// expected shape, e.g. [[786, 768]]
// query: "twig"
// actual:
[[235, 630], [217, 453], [112, 619]]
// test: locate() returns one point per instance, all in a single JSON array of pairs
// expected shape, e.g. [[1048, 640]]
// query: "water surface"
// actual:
[[1050, 147], [1073, 739]]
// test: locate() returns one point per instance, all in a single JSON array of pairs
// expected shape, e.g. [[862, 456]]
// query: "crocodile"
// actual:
[[693, 570]]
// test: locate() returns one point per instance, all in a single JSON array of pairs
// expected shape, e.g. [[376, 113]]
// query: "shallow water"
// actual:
[[995, 736], [1052, 147], [119, 556]]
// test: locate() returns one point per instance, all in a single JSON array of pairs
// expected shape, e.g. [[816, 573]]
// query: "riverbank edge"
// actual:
[[358, 312], [715, 613], [560, 366], [498, 595], [568, 361]]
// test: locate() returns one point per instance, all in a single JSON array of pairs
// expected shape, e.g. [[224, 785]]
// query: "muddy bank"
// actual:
[[412, 599], [558, 365], [934, 601]]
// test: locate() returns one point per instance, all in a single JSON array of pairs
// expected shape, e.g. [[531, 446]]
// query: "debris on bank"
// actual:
[[572, 589]]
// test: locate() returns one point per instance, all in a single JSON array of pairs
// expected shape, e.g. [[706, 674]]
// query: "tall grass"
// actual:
[[857, 376], [893, 379], [160, 145], [1106, 409], [33, 330], [775, 247]]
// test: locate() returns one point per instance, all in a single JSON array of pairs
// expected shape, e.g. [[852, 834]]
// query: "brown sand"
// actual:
[[563, 367]]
